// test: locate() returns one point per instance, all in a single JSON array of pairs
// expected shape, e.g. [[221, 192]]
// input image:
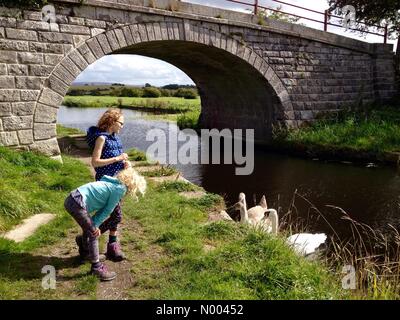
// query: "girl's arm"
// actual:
[[98, 148]]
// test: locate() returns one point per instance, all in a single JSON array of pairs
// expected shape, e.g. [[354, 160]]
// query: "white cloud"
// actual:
[[138, 70], [222, 4], [134, 70]]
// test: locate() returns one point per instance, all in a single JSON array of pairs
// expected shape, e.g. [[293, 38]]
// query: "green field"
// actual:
[[148, 91], [103, 88], [162, 104]]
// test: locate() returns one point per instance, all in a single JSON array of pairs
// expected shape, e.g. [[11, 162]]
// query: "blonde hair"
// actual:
[[133, 181], [109, 118]]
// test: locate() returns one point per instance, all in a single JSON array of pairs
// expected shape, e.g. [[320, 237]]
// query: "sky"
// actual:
[[138, 70]]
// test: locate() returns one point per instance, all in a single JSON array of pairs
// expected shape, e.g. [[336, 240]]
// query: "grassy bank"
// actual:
[[65, 131], [189, 120], [31, 184], [173, 252], [162, 104], [368, 134], [222, 260]]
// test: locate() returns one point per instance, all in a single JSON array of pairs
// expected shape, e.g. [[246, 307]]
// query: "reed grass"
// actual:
[[373, 254], [189, 120]]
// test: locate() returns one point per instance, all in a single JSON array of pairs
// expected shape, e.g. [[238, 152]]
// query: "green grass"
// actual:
[[375, 130], [170, 117], [65, 131], [31, 184], [163, 171], [178, 186], [136, 155], [166, 104], [189, 120], [245, 263], [86, 286]]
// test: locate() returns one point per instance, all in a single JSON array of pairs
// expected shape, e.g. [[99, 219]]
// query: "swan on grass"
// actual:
[[256, 216], [302, 243]]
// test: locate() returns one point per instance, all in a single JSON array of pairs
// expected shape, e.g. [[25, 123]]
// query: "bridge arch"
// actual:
[[238, 88]]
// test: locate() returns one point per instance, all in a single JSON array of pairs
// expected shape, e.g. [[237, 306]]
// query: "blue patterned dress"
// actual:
[[112, 148]]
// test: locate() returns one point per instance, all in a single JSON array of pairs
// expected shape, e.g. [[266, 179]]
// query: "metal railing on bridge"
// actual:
[[326, 16]]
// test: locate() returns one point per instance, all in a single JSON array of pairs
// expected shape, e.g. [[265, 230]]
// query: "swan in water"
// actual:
[[303, 243], [306, 243]]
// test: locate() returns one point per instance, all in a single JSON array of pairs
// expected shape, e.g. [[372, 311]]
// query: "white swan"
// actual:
[[256, 216], [306, 243], [303, 243]]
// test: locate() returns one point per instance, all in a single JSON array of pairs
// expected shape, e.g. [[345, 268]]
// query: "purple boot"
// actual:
[[102, 273], [114, 252]]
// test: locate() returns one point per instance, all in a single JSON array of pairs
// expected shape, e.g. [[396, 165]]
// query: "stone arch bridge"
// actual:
[[250, 73]]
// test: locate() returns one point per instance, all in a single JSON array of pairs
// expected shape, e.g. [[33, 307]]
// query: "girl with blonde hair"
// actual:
[[101, 197]]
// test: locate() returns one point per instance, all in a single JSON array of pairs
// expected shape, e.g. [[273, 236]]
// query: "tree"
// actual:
[[280, 16], [166, 92], [174, 86], [171, 86], [151, 92], [374, 12], [275, 15], [130, 92], [186, 93], [115, 92], [24, 3]]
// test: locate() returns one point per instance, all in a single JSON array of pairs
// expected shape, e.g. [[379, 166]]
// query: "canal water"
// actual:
[[312, 190]]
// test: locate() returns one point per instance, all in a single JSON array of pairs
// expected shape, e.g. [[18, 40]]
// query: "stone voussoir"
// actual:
[[45, 114], [50, 98]]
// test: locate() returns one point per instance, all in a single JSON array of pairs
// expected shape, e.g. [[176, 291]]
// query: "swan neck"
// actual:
[[273, 216], [244, 217]]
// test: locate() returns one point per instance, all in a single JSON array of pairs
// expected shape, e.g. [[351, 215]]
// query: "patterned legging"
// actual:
[[77, 209], [112, 222]]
